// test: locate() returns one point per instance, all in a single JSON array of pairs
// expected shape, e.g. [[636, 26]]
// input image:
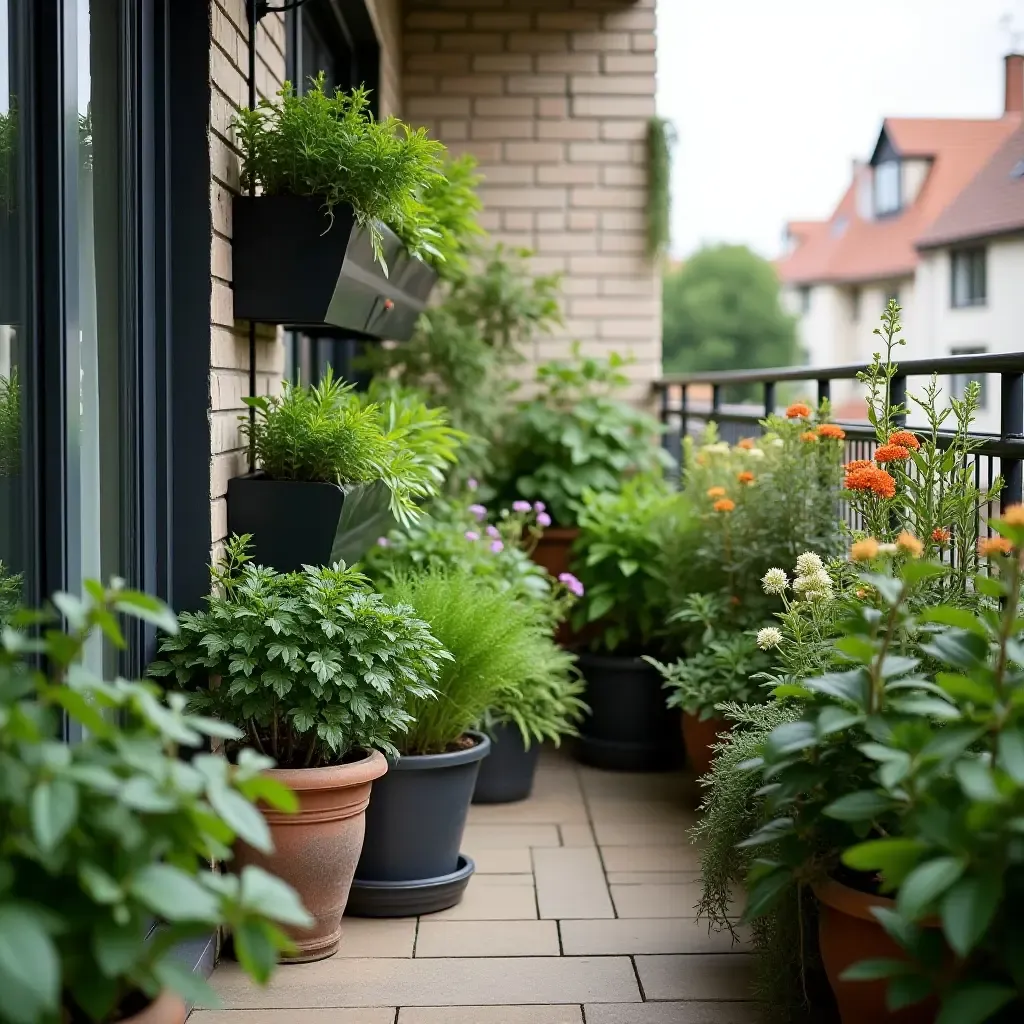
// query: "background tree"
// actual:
[[723, 311]]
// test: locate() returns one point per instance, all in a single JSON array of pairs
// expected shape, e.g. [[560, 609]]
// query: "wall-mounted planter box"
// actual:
[[294, 265], [297, 522]]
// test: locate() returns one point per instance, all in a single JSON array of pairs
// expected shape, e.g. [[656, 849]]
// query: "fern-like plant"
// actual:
[[333, 149], [10, 424], [661, 136], [330, 434]]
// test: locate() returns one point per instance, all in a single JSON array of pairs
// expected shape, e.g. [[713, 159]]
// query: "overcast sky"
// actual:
[[773, 100]]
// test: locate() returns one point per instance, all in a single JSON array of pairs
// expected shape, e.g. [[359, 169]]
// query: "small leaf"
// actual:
[[973, 1002], [29, 959], [925, 884], [245, 820], [968, 909], [174, 895], [861, 806], [54, 811]]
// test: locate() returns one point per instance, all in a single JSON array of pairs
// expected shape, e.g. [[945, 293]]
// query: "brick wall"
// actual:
[[229, 340], [387, 19], [553, 97]]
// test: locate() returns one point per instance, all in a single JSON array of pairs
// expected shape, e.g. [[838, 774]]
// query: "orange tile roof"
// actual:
[[851, 248]]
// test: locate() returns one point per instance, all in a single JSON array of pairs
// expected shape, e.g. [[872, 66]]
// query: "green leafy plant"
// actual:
[[617, 560], [329, 433], [10, 424], [332, 148], [310, 665], [496, 641], [575, 436], [661, 137], [99, 837]]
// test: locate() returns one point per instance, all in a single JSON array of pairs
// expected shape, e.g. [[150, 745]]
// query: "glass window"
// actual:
[[959, 381], [968, 277], [855, 305], [804, 298], [887, 188]]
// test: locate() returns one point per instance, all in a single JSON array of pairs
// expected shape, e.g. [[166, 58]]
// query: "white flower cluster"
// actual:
[[812, 580], [718, 448], [754, 453], [769, 638], [775, 581]]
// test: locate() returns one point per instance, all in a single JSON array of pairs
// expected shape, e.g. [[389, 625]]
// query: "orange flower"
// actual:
[[831, 430], [746, 477], [989, 546], [745, 442], [940, 535], [859, 464], [716, 492], [870, 478], [909, 544], [891, 453], [905, 439], [798, 411], [1013, 515], [864, 550], [808, 435], [883, 485], [862, 592], [724, 505], [734, 601]]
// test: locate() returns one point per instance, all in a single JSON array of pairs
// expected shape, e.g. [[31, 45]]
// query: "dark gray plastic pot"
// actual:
[[414, 827], [629, 727], [507, 774]]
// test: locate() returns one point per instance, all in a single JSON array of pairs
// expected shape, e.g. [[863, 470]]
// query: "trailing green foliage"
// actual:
[[617, 560], [574, 436], [100, 837], [495, 639], [661, 137], [309, 665], [332, 148], [329, 433], [10, 424]]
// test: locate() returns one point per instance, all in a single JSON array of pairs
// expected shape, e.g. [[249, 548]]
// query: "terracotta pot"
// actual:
[[848, 932], [554, 549], [317, 850], [700, 736], [168, 1008]]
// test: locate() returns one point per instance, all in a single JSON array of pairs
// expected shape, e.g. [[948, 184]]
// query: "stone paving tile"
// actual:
[[367, 936], [492, 1014], [656, 900], [647, 832], [378, 1015], [530, 812], [502, 862], [677, 857], [672, 1013], [577, 835], [484, 901], [447, 981], [508, 837], [488, 938], [643, 935], [570, 883], [653, 877], [715, 976]]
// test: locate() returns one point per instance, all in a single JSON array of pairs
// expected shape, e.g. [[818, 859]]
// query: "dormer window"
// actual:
[[888, 187]]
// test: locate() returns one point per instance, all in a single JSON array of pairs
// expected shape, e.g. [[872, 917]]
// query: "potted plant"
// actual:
[[101, 836], [317, 671], [317, 245], [334, 469], [629, 727], [574, 436], [411, 862]]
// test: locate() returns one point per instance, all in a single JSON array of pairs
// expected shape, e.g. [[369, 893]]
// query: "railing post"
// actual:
[[898, 396], [1011, 425], [683, 427], [824, 390], [769, 397], [716, 398]]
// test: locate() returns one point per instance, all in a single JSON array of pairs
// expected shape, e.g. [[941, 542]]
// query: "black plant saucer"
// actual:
[[410, 899]]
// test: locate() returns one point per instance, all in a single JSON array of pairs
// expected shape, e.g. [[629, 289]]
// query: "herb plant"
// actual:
[[575, 436], [330, 434], [99, 837], [495, 639], [332, 148], [309, 665], [10, 424]]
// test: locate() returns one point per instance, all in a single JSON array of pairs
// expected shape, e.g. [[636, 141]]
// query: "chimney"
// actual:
[[1014, 84]]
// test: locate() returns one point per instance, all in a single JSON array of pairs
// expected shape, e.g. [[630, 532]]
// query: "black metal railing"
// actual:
[[1000, 453]]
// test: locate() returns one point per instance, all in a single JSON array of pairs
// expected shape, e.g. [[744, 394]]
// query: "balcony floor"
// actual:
[[581, 910]]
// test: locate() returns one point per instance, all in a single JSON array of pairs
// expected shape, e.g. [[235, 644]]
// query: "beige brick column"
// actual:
[[553, 98]]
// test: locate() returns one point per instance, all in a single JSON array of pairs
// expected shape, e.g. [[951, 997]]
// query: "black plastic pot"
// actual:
[[507, 773], [295, 264], [629, 728], [297, 522], [414, 827]]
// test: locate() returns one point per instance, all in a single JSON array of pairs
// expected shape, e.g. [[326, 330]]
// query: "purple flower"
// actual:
[[572, 584], [383, 542], [493, 532], [471, 535], [472, 483], [543, 519], [521, 506], [539, 506], [479, 511], [497, 546]]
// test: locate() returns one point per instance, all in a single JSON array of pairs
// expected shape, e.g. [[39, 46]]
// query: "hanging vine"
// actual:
[[661, 136]]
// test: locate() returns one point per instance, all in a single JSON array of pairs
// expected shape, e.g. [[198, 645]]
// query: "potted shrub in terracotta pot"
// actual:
[[103, 836], [411, 860], [336, 469], [318, 671]]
